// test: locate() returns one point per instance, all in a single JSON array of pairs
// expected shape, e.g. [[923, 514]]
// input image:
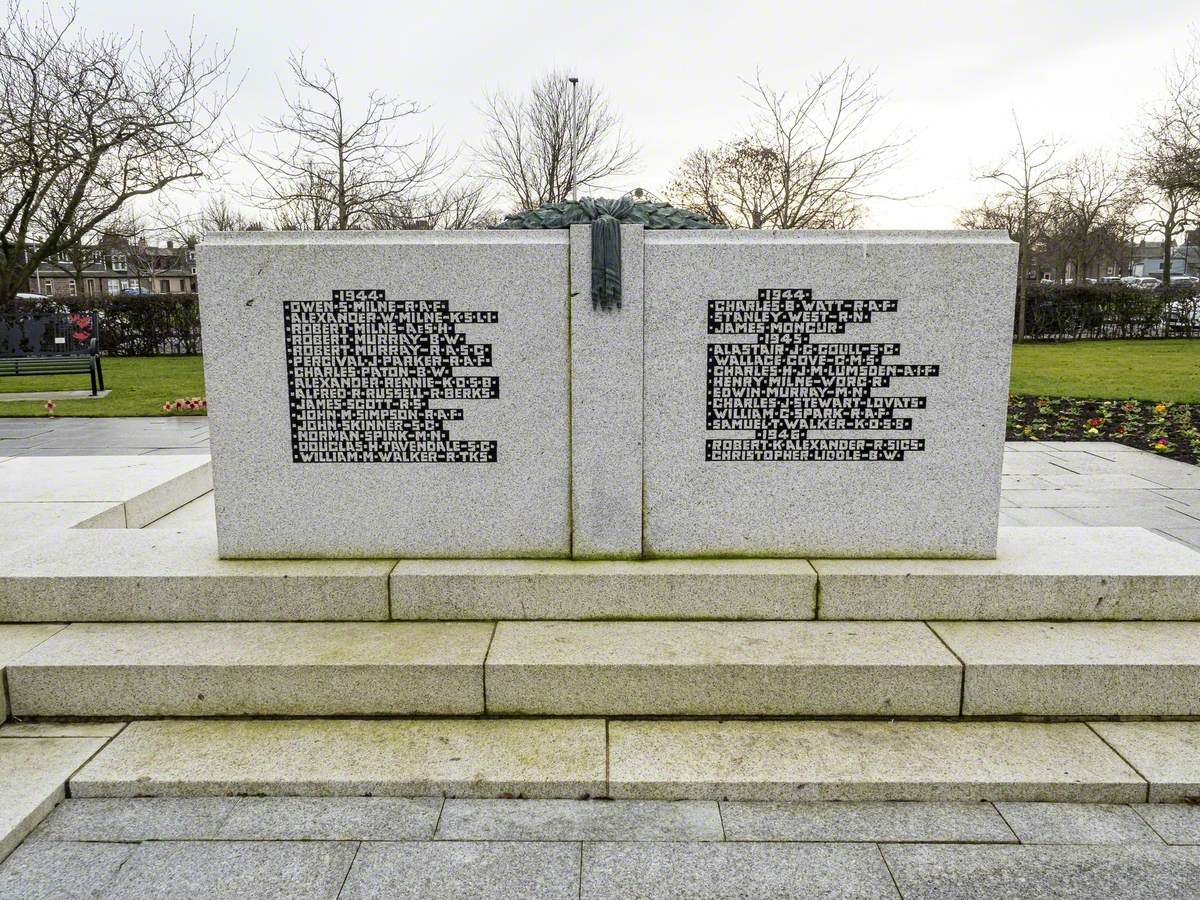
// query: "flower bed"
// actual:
[[1168, 429]]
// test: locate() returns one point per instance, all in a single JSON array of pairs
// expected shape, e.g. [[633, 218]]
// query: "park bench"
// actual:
[[52, 344]]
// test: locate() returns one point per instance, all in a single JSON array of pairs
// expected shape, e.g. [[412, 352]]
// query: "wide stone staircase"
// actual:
[[1066, 669]]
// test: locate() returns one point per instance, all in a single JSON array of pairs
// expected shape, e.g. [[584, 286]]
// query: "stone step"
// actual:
[[583, 589], [1077, 668], [817, 668], [331, 668], [174, 575], [721, 668], [130, 491], [1088, 573], [661, 759]]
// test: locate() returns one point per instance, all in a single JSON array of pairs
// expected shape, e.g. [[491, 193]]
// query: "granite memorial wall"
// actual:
[[755, 394]]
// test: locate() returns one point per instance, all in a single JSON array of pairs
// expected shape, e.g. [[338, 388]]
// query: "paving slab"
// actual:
[[1168, 473], [16, 641], [1097, 482], [1076, 823], [863, 760], [200, 515], [33, 772], [949, 872], [603, 589], [332, 819], [650, 870], [1039, 573], [254, 668], [1046, 518], [46, 871], [150, 575], [1156, 515], [134, 819], [528, 871], [148, 486], [580, 820], [19, 520], [1086, 496], [1175, 823], [60, 729], [720, 668], [865, 821], [351, 757], [1075, 668], [1166, 754], [1033, 463], [237, 870]]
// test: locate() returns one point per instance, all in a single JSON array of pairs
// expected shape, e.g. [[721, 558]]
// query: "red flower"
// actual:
[[1096, 422]]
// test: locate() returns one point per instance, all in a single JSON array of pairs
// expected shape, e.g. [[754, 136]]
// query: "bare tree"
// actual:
[[808, 160], [528, 145], [218, 214], [1168, 162], [1179, 125], [90, 122], [1026, 178], [1092, 205], [994, 214], [329, 169]]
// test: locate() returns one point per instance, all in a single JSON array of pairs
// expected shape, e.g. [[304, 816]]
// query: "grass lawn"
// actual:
[[1159, 370], [140, 386], [1162, 370]]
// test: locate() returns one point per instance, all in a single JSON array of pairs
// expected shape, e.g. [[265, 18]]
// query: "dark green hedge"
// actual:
[[1109, 311], [145, 325]]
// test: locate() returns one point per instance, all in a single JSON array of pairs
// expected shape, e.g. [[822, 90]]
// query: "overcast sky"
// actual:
[[953, 71]]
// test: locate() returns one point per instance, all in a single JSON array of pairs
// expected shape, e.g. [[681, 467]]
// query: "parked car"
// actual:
[[136, 292]]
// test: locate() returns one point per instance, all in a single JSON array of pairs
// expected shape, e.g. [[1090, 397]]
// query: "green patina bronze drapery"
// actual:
[[606, 217]]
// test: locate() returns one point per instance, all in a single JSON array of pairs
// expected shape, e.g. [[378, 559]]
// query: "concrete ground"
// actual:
[[386, 847]]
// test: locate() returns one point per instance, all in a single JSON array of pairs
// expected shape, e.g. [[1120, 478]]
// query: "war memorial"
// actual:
[[602, 504]]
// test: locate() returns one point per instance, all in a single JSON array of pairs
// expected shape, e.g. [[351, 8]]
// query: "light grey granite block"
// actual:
[[147, 486], [559, 758], [171, 575], [1039, 573], [1076, 823], [15, 641], [945, 872], [1166, 754], [136, 819], [332, 819], [603, 589], [644, 870], [89, 728], [51, 871], [255, 668], [953, 310], [1077, 668], [967, 823], [267, 505], [864, 760], [33, 773], [236, 870], [720, 668], [1175, 823], [580, 820], [443, 869], [606, 405]]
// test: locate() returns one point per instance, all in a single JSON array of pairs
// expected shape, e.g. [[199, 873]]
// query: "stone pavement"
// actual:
[[1045, 483], [1052, 483], [390, 847]]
